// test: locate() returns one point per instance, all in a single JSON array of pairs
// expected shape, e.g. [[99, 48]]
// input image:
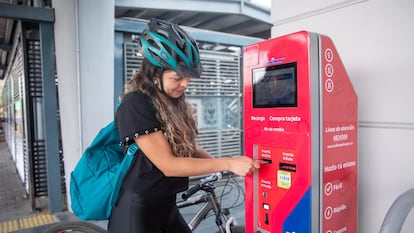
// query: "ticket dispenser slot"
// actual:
[[300, 122]]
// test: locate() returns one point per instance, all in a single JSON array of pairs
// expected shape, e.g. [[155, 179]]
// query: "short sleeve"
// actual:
[[135, 116]]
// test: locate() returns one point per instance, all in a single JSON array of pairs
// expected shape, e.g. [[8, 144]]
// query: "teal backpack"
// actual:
[[96, 180]]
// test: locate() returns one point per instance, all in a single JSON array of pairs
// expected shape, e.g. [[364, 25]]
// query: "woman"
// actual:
[[154, 114]]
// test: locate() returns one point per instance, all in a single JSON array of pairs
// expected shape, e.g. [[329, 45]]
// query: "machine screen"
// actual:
[[275, 86]]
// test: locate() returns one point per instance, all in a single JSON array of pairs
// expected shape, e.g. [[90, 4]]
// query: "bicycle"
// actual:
[[75, 227], [211, 207], [224, 221]]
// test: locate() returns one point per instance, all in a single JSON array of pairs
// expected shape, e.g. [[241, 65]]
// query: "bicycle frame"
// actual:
[[200, 215], [211, 203]]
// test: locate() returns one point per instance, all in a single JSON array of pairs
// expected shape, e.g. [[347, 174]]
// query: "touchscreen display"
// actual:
[[275, 86]]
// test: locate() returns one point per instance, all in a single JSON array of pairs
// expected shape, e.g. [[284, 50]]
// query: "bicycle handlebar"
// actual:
[[205, 183]]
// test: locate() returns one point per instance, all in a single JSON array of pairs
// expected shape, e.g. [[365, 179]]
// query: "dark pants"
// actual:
[[136, 214]]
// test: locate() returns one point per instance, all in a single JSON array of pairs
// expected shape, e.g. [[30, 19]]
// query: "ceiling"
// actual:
[[229, 16], [6, 30]]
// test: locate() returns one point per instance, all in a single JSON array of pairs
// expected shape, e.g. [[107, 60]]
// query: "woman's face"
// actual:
[[174, 85]]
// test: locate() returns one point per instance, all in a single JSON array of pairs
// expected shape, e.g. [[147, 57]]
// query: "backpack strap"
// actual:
[[132, 149], [123, 169]]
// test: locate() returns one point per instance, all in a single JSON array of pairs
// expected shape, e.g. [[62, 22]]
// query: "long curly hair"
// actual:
[[174, 114]]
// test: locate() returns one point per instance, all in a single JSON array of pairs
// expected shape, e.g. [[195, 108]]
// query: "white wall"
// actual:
[[374, 40], [84, 35], [96, 58]]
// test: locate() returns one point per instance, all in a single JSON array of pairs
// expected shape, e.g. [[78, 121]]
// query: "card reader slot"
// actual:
[[287, 167], [265, 161]]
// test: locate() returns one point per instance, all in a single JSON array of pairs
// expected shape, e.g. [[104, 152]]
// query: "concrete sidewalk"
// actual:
[[16, 213], [14, 202]]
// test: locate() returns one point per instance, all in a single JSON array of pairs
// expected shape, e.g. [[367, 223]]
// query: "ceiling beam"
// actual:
[[135, 26], [27, 13], [242, 7]]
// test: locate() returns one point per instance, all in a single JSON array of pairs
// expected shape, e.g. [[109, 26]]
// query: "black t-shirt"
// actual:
[[135, 116]]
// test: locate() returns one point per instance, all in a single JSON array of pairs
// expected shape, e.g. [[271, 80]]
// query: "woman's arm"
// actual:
[[156, 147]]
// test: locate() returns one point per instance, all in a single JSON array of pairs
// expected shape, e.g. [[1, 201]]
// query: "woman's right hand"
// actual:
[[243, 165]]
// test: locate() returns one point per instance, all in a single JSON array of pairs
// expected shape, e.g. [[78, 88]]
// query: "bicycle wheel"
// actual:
[[236, 229], [75, 227]]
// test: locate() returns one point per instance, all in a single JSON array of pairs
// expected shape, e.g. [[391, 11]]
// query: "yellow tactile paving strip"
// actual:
[[27, 222]]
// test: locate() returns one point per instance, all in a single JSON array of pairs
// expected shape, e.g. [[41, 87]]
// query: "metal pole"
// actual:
[[54, 185]]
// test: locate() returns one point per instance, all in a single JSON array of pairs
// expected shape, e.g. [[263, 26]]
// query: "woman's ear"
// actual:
[[157, 83]]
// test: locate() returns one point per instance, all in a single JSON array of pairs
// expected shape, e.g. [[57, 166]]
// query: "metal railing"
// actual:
[[397, 214]]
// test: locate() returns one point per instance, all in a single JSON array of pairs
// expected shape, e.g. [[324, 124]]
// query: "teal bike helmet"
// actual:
[[168, 46]]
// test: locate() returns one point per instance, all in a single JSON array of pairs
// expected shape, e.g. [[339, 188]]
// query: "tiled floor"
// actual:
[[14, 203]]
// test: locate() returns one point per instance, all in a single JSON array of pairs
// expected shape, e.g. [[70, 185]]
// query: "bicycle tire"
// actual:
[[75, 226], [236, 229]]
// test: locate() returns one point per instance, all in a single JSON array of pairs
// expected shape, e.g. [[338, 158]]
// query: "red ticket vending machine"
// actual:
[[301, 121]]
